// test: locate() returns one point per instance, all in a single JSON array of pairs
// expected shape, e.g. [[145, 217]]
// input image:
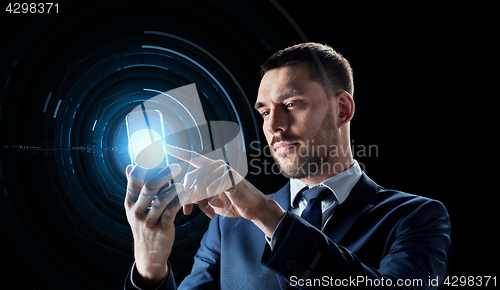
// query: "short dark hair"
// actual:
[[324, 63]]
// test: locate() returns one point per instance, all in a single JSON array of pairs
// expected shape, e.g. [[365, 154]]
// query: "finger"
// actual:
[[137, 173], [198, 180], [192, 157], [144, 203], [171, 210], [206, 208], [153, 186], [161, 201], [163, 177], [224, 182], [185, 197], [135, 178], [217, 201], [187, 209]]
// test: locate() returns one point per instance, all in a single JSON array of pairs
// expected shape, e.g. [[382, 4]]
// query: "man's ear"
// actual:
[[345, 105]]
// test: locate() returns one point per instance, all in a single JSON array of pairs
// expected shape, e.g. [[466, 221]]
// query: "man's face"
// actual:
[[299, 122]]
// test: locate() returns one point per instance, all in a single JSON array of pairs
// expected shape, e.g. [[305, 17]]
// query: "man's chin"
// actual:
[[291, 167], [285, 160], [293, 173]]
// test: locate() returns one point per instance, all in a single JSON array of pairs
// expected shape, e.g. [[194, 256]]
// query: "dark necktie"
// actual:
[[312, 213]]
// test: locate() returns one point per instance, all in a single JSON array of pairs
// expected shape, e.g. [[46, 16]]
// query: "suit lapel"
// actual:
[[283, 197], [362, 198]]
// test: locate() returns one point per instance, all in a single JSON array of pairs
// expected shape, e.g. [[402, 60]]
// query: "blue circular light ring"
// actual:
[[99, 128], [220, 65], [208, 73], [98, 132]]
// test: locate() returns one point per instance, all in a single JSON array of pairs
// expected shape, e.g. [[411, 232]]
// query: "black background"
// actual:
[[419, 86]]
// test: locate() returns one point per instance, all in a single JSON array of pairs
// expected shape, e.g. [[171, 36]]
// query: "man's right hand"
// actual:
[[152, 220]]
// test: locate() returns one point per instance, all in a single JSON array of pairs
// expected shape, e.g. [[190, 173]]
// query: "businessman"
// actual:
[[329, 226]]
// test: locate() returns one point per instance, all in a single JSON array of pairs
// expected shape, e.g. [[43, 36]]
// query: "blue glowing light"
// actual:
[[147, 141], [57, 108]]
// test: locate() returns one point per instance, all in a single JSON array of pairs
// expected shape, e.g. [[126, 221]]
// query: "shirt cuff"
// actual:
[[136, 282], [276, 233]]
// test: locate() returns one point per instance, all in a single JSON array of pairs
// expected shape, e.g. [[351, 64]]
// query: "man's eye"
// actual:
[[289, 105], [264, 114]]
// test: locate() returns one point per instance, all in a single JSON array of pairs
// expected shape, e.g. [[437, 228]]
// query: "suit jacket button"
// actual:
[[291, 264]]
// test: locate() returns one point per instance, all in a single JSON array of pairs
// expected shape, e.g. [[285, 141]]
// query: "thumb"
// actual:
[[128, 170], [187, 209]]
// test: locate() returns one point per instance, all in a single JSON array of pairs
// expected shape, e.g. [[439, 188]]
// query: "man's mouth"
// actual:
[[282, 147]]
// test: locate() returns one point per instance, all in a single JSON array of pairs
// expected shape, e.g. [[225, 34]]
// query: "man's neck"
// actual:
[[335, 168]]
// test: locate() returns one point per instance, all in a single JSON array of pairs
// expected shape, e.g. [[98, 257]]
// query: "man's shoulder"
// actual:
[[390, 202], [379, 195], [403, 206], [397, 197]]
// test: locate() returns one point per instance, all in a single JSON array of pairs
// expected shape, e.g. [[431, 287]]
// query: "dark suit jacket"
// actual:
[[376, 234]]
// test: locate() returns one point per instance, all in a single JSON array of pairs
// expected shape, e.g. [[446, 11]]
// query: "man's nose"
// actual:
[[277, 122]]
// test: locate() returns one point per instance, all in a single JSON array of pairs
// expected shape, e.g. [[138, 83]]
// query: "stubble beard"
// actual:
[[312, 156]]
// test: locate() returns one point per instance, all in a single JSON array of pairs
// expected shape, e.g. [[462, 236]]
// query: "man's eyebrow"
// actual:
[[280, 98]]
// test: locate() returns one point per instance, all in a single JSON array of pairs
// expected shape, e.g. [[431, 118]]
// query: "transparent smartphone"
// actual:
[[146, 137]]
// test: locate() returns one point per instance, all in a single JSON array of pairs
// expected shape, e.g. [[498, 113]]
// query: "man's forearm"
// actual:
[[269, 217]]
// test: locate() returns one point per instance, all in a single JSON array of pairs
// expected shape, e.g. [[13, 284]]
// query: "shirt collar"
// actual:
[[340, 184]]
